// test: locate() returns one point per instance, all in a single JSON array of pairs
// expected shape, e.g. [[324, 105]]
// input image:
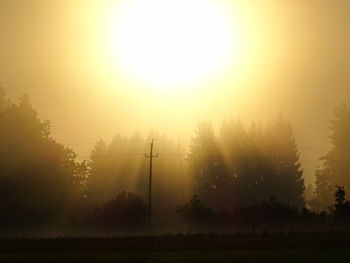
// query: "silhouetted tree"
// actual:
[[339, 195], [286, 176], [126, 211], [322, 198], [206, 167], [170, 184], [195, 213], [272, 213], [40, 180], [116, 167], [244, 161], [341, 210], [336, 163], [121, 165], [243, 167]]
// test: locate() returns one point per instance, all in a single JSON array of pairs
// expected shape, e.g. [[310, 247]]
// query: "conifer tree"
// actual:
[[336, 163], [286, 175]]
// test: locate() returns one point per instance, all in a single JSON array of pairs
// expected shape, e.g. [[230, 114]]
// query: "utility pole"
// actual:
[[150, 156]]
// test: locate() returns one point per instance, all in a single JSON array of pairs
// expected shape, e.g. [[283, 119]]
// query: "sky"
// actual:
[[291, 58]]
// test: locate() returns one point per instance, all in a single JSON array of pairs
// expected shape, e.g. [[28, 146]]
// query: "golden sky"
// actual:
[[289, 57]]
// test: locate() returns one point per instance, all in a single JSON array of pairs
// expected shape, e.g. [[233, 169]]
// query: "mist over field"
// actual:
[[174, 131]]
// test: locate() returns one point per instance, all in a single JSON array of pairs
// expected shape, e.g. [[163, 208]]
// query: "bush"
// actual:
[[126, 211]]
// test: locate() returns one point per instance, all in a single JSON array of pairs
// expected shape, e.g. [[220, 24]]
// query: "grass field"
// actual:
[[238, 256], [199, 248]]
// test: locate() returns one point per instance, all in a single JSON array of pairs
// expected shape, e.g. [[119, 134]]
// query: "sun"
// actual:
[[171, 42]]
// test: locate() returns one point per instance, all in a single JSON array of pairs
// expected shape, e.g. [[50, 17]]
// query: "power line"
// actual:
[[145, 141], [110, 156], [112, 142]]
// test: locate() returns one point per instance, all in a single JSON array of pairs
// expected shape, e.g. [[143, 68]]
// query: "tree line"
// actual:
[[238, 175]]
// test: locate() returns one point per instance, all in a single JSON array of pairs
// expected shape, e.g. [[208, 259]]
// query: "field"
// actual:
[[197, 248]]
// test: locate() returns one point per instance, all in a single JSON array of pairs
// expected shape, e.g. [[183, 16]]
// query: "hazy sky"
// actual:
[[296, 61]]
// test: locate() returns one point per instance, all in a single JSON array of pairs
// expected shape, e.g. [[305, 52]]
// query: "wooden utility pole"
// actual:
[[150, 156]]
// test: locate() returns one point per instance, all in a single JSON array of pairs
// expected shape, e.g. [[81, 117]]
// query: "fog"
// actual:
[[295, 63]]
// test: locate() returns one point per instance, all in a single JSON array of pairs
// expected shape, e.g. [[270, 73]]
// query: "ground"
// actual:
[[198, 248]]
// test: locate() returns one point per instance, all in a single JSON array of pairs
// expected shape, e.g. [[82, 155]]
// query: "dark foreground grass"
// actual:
[[181, 248], [238, 256]]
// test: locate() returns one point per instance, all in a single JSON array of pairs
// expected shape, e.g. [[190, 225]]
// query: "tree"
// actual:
[[121, 166], [244, 162], [286, 180], [115, 167], [341, 210], [96, 183], [339, 195], [336, 163], [170, 185], [244, 167], [194, 212], [323, 186], [126, 211], [264, 162], [206, 167], [40, 180]]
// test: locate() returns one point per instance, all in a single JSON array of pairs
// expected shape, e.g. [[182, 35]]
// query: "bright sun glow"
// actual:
[[172, 42]]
